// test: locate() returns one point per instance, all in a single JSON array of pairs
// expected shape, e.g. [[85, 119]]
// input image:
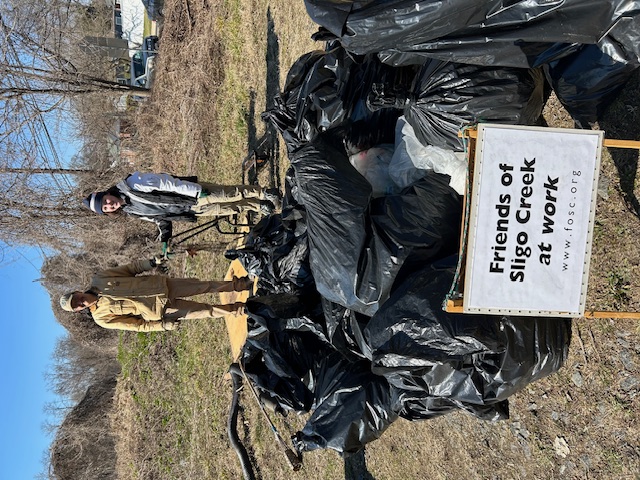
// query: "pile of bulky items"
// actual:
[[348, 321]]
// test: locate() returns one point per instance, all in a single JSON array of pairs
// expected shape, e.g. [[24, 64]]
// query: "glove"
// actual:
[[160, 263], [166, 252], [204, 193], [157, 261], [170, 324]]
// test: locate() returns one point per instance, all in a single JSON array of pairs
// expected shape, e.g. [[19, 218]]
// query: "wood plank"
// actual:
[[236, 324], [611, 143]]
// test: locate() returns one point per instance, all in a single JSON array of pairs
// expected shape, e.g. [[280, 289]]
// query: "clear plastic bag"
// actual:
[[373, 164], [411, 159]]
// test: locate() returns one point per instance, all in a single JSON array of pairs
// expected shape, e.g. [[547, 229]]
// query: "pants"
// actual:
[[228, 199], [179, 309]]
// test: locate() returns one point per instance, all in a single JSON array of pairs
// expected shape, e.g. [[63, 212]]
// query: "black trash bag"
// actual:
[[276, 249], [277, 255], [416, 361], [467, 359], [587, 80], [356, 250], [423, 220], [447, 96], [359, 99], [336, 198], [527, 55], [520, 33], [296, 215], [290, 362], [327, 90], [285, 342], [352, 407], [287, 114], [345, 331], [419, 405]]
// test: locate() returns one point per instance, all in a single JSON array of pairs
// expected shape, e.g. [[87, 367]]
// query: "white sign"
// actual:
[[532, 210]]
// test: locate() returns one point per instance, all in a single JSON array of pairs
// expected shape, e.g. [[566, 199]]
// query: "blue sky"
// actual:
[[29, 334]]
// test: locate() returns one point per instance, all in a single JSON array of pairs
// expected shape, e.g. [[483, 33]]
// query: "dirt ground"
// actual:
[[581, 423]]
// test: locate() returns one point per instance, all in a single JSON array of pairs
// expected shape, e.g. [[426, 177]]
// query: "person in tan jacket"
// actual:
[[120, 299]]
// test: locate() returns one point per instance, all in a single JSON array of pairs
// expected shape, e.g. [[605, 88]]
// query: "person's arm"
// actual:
[[132, 324], [130, 270], [162, 182], [165, 228]]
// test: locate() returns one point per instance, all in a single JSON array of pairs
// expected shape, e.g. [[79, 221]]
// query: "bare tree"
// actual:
[[44, 74], [43, 55], [77, 366], [53, 91], [84, 446]]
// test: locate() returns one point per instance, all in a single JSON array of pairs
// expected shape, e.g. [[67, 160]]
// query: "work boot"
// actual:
[[274, 196], [238, 308], [266, 207], [231, 254], [242, 283]]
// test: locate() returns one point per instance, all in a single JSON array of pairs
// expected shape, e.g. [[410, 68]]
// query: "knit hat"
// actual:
[[94, 202], [65, 301]]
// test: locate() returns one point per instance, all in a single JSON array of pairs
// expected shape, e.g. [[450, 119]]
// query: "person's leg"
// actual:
[[207, 207], [179, 309], [231, 193], [187, 287]]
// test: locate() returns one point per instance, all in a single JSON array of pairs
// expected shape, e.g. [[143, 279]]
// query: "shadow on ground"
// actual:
[[355, 467], [263, 151], [622, 121]]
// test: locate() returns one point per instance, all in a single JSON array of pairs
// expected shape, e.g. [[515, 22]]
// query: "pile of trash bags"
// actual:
[[348, 321], [587, 48], [362, 98]]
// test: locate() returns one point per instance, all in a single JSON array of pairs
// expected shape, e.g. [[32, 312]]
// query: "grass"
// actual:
[[146, 25], [619, 288], [172, 397]]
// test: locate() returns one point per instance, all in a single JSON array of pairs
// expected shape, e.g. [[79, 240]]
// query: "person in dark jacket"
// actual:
[[162, 198]]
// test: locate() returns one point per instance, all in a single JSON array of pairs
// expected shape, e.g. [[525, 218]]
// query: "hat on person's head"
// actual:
[[94, 202], [65, 301]]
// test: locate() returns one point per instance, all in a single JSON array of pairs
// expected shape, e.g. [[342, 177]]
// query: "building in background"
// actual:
[[117, 20]]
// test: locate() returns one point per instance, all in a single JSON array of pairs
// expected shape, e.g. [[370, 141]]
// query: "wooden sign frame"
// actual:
[[454, 302]]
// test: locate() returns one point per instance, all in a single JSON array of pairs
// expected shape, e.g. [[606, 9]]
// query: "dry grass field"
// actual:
[[220, 60]]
